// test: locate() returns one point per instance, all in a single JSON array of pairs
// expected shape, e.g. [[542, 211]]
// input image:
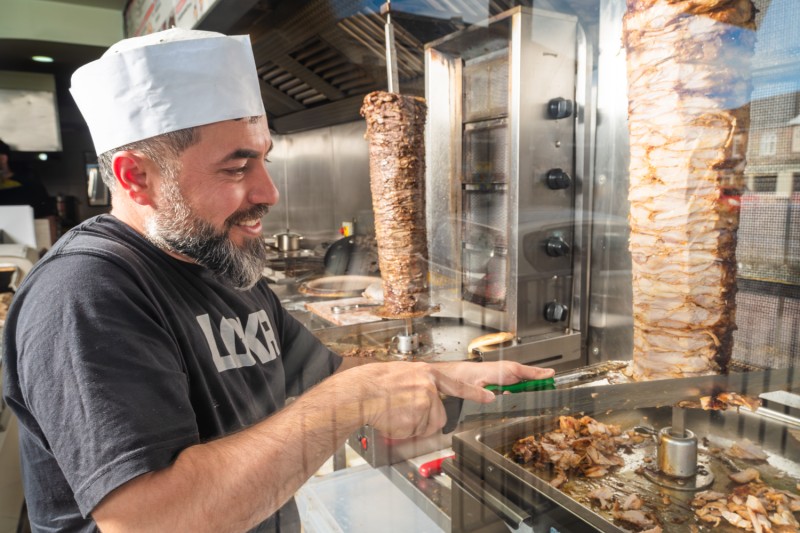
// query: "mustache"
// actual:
[[257, 211]]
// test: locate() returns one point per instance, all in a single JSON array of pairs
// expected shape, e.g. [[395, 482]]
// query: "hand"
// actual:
[[494, 372], [403, 399]]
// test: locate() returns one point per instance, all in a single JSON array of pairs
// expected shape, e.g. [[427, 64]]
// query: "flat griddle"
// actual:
[[484, 451], [337, 286]]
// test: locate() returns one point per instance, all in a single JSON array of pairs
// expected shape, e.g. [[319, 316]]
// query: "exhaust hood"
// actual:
[[317, 59]]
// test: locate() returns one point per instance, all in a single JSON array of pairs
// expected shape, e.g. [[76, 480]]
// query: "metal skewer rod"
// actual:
[[678, 422], [409, 327], [393, 81]]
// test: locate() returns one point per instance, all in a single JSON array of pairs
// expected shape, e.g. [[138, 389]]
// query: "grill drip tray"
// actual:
[[481, 453]]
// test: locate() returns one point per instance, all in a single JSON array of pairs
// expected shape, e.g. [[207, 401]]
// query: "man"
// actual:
[[146, 359], [18, 189]]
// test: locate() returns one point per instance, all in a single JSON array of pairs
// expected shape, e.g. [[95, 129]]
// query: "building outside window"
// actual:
[[769, 143], [796, 138], [765, 183]]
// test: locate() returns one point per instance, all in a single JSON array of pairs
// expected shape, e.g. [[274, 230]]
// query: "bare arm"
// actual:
[[236, 482]]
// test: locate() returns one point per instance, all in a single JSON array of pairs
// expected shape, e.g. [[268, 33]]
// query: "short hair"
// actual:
[[4, 148], [164, 150]]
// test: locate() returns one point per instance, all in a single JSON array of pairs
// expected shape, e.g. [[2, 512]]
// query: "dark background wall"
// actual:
[[63, 173]]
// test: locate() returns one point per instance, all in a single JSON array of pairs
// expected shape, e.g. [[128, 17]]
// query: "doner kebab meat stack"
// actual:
[[688, 86], [396, 136]]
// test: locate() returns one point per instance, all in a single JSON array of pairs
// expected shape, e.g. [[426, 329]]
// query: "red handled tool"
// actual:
[[432, 468]]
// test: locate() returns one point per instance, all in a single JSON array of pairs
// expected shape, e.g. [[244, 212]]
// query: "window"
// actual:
[[796, 139], [737, 150], [765, 183], [769, 143]]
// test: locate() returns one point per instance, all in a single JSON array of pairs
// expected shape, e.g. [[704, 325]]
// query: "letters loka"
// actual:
[[230, 329]]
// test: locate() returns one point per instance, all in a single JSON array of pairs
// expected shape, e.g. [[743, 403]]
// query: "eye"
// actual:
[[237, 171]]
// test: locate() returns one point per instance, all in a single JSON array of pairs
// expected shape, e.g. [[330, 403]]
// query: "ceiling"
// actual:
[[316, 58], [15, 54], [105, 4]]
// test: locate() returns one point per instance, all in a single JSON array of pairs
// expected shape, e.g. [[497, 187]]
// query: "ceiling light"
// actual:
[[42, 157], [42, 59]]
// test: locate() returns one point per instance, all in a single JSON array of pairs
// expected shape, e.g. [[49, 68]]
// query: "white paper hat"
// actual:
[[166, 81]]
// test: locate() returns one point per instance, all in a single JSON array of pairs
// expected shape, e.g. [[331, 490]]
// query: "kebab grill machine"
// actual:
[[528, 238]]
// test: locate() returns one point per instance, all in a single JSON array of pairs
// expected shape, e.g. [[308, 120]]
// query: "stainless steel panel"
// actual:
[[443, 155], [507, 210], [486, 86], [486, 157], [610, 332], [323, 178], [558, 351]]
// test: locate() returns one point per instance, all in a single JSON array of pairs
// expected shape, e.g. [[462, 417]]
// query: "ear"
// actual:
[[135, 174]]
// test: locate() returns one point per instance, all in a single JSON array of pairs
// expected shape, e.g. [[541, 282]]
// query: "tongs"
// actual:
[[601, 397], [453, 404], [525, 386]]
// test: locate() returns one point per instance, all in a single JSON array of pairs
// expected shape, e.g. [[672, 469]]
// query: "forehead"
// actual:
[[250, 133]]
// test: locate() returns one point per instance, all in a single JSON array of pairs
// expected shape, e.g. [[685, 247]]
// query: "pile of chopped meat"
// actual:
[[722, 402], [628, 511], [581, 446], [751, 505], [359, 352]]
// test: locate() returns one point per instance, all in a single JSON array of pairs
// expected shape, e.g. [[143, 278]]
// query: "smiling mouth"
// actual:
[[249, 223], [249, 218]]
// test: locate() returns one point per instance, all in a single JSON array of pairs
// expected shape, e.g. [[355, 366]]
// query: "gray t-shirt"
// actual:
[[118, 356]]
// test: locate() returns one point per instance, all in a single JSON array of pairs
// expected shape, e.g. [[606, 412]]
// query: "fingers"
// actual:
[[494, 373], [454, 387], [532, 372]]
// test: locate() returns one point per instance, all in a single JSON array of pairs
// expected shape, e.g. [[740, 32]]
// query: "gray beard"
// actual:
[[175, 228]]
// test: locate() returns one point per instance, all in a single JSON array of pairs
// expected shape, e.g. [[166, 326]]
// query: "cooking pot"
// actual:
[[287, 241]]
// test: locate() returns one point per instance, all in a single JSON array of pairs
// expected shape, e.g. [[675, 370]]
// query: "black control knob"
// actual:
[[556, 247], [555, 312], [559, 108], [558, 179]]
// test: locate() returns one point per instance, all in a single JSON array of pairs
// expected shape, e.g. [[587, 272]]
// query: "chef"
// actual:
[[147, 360]]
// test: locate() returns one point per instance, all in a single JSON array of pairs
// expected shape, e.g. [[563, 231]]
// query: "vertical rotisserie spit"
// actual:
[[396, 136], [689, 83]]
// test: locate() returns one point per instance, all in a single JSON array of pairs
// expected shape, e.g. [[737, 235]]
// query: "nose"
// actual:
[[263, 190]]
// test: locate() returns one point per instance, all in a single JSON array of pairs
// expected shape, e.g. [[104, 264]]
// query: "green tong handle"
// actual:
[[525, 386]]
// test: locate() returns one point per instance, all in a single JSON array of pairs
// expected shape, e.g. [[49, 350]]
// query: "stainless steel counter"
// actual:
[[295, 302]]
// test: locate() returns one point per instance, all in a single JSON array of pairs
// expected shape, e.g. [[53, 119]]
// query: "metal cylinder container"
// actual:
[[288, 241], [406, 343], [677, 455]]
